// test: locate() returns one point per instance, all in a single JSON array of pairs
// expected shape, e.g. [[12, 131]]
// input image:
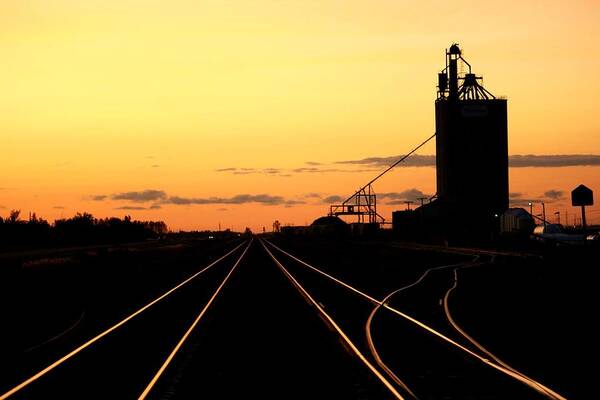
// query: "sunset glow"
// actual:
[[177, 110]]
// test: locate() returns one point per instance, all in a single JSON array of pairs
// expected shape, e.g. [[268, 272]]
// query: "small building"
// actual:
[[329, 226], [516, 221]]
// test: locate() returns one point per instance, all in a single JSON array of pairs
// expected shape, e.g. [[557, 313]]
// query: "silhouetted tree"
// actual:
[[83, 228], [13, 217]]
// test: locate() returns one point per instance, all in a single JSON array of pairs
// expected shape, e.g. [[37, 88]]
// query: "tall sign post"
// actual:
[[582, 196]]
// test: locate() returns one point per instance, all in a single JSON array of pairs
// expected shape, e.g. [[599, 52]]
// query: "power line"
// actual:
[[389, 168]]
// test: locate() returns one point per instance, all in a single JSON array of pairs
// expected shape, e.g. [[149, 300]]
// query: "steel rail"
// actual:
[[93, 340], [377, 307], [335, 326], [544, 390], [168, 360], [468, 337]]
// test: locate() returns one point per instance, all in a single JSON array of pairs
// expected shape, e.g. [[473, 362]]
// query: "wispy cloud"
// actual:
[[58, 207], [516, 199], [313, 195], [515, 161], [558, 160], [271, 170], [160, 197], [264, 199], [415, 160], [390, 197], [333, 199], [141, 197], [550, 196], [554, 194], [99, 197], [284, 172], [412, 194], [238, 199]]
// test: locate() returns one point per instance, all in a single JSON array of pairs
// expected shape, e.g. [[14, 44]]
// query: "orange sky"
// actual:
[[106, 97]]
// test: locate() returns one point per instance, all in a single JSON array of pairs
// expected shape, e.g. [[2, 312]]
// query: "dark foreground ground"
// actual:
[[535, 312], [262, 339]]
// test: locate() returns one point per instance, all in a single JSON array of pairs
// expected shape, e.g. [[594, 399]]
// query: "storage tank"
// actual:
[[471, 141]]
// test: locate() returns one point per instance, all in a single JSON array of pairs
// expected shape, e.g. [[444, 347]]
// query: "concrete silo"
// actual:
[[471, 142]]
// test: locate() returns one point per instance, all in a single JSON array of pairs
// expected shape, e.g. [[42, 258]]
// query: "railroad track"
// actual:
[[495, 371], [100, 367], [163, 350]]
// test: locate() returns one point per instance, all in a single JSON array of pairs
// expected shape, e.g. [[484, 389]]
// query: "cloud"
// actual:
[[306, 169], [554, 194], [221, 209], [333, 199], [314, 167], [160, 197], [155, 165], [312, 195], [415, 160], [401, 197], [515, 161], [289, 203], [313, 163], [515, 199], [265, 199], [99, 197], [312, 170], [58, 207], [271, 170], [391, 197], [141, 197], [558, 160]]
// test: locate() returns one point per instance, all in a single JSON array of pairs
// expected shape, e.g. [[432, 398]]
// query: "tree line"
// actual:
[[80, 229]]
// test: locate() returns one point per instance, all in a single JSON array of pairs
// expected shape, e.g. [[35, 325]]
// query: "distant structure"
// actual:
[[276, 226], [471, 141], [471, 164], [471, 157]]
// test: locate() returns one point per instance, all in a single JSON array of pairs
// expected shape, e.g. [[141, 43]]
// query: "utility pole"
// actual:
[[544, 213], [530, 208]]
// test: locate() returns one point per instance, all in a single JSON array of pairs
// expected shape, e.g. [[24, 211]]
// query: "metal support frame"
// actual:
[[472, 85], [363, 204]]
